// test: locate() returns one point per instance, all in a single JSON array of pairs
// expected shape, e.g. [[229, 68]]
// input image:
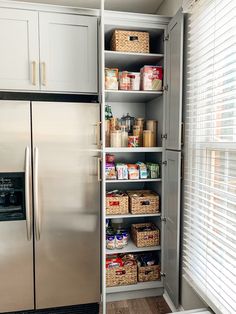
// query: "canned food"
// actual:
[[119, 241], [110, 242]]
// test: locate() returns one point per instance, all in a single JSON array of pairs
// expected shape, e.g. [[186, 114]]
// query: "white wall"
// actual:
[[169, 7]]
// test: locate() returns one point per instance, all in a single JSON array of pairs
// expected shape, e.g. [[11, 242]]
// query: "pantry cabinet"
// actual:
[[19, 53], [48, 52], [165, 106]]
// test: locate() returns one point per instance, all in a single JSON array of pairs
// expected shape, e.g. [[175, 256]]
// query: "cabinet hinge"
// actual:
[[164, 163], [167, 37], [164, 136], [162, 274], [165, 88], [163, 219]]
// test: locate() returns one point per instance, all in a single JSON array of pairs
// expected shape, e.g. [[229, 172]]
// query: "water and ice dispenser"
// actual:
[[12, 196]]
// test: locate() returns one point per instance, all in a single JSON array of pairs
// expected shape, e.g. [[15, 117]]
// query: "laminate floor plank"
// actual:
[[152, 305]]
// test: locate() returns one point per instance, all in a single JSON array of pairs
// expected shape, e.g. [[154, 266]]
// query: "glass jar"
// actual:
[[140, 122], [115, 138], [152, 126], [128, 122], [124, 136], [113, 123], [138, 131], [148, 138]]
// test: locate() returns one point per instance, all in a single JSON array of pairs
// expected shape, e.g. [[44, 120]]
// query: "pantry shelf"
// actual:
[[131, 248], [130, 61], [138, 286], [139, 180], [131, 96], [133, 149], [133, 216]]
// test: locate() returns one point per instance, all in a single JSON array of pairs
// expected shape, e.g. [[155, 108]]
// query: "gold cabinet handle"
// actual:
[[43, 73], [34, 73]]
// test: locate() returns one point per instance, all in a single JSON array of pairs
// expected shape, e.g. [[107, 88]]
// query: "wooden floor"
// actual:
[[156, 305]]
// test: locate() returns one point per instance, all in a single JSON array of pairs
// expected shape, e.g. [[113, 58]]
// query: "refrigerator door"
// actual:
[[16, 245], [66, 204]]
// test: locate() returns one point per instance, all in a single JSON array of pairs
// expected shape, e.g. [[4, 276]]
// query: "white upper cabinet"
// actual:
[[68, 53], [19, 53], [174, 69]]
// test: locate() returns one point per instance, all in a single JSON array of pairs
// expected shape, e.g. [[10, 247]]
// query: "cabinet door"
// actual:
[[68, 53], [174, 68], [172, 224], [19, 53]]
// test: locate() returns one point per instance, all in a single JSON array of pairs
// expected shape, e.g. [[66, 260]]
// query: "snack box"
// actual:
[[122, 171], [151, 78], [143, 174], [133, 172], [153, 170], [110, 171]]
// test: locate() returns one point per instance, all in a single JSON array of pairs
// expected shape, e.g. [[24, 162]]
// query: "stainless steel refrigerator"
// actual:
[[49, 205]]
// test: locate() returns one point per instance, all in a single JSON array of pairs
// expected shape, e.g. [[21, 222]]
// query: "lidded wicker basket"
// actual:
[[130, 41]]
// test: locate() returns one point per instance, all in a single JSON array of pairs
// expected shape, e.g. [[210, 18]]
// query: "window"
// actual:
[[209, 233]]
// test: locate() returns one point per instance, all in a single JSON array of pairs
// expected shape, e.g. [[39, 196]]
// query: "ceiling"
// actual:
[[139, 6]]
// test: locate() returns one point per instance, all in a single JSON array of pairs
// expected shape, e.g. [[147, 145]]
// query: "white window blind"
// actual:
[[209, 233]]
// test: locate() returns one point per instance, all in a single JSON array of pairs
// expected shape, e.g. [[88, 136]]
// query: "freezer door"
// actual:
[[171, 226], [66, 204], [16, 245]]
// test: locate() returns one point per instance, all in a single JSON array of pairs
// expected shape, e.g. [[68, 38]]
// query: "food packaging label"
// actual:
[[122, 171], [151, 78], [111, 78]]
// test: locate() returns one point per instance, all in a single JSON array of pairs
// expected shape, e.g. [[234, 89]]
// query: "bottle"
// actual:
[[110, 115], [124, 136]]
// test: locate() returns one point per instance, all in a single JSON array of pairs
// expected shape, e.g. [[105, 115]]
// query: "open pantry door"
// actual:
[[174, 81], [171, 225]]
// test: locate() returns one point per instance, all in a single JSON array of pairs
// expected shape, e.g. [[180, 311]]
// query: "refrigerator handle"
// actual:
[[99, 160], [36, 200], [27, 194]]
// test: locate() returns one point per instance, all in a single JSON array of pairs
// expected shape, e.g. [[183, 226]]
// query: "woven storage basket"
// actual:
[[145, 238], [118, 205], [130, 41], [121, 276], [143, 202], [149, 273]]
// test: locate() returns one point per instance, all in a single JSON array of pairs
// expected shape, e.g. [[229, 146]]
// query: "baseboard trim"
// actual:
[[92, 308]]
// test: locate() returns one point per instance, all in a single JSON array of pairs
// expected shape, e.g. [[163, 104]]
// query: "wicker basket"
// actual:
[[149, 273], [130, 41], [121, 276], [143, 202], [145, 238], [118, 205]]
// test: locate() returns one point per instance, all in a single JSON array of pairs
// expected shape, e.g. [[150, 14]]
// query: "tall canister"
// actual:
[[152, 126]]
